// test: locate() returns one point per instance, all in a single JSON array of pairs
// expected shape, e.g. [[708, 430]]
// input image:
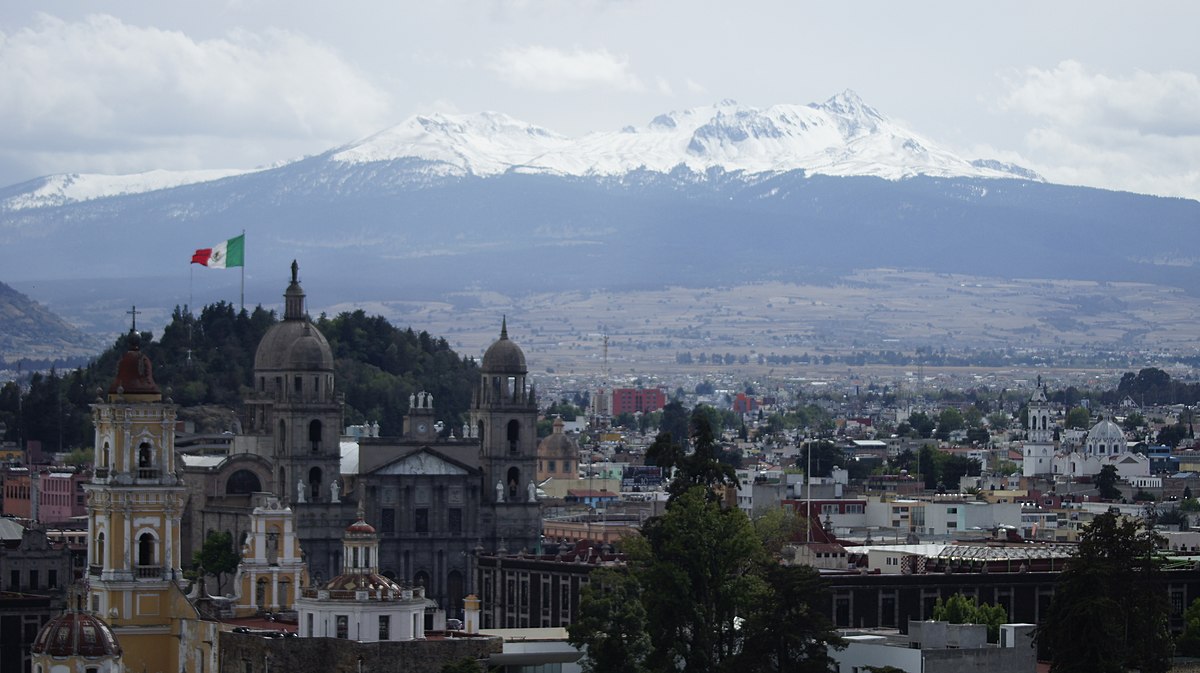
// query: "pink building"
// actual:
[[60, 495]]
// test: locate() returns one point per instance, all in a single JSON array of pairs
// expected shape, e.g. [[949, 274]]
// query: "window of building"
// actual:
[[553, 466], [310, 633], [343, 626], [455, 520], [385, 627], [33, 579], [14, 580], [421, 522], [387, 520], [52, 579]]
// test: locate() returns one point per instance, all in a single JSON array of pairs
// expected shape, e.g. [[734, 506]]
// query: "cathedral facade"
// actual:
[[436, 501]]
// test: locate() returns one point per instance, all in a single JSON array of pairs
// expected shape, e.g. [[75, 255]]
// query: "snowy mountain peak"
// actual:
[[842, 136], [482, 144]]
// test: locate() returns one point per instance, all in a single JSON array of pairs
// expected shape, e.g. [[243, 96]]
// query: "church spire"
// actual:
[[504, 327]]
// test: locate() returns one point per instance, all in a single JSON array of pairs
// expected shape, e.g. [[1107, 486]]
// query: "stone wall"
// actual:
[[248, 653]]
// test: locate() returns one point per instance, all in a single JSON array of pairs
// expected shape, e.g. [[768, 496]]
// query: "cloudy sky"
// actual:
[[1097, 93]]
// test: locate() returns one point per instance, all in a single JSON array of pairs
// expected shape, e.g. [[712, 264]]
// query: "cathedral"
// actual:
[[436, 501], [442, 501]]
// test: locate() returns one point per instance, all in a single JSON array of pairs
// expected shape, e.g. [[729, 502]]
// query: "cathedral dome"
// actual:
[[295, 344], [135, 373], [557, 444], [1107, 432], [76, 634], [504, 356]]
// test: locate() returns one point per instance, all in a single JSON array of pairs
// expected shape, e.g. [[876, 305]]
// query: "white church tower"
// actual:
[[1039, 429]]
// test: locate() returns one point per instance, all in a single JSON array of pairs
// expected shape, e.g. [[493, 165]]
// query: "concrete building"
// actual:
[[939, 647]]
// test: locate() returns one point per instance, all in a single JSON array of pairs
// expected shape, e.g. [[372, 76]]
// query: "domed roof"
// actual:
[[504, 356], [135, 373], [76, 634], [557, 444], [1105, 431], [360, 527], [295, 343]]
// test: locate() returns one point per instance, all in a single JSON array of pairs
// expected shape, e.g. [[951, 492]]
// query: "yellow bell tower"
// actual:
[[134, 504]]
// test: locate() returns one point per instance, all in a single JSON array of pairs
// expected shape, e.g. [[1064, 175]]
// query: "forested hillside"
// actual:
[[208, 359]]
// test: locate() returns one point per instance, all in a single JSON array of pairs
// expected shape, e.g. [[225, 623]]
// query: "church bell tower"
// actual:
[[134, 505], [504, 415]]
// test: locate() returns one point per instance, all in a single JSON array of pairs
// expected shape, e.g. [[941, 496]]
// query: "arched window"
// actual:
[[144, 455], [314, 435], [146, 549], [242, 482], [314, 483], [514, 483], [104, 456], [421, 579], [514, 435], [99, 560]]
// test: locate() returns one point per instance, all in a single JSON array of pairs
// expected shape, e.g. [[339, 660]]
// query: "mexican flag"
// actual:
[[223, 255]]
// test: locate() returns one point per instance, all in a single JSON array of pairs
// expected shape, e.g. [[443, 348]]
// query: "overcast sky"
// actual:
[[1096, 93]]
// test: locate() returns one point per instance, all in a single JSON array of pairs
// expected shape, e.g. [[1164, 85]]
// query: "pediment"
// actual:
[[422, 462]]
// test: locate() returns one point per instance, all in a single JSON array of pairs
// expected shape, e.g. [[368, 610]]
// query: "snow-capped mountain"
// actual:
[[841, 137], [57, 190]]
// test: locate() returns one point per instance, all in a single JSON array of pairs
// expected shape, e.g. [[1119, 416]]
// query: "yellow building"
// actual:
[[134, 503], [272, 572]]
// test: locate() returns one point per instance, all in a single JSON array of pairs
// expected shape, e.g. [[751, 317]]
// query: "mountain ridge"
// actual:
[[842, 136]]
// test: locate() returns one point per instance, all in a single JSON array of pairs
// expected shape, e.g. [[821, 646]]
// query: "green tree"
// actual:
[[783, 633], [1078, 418], [922, 424], [1133, 421], [1106, 483], [999, 421], [704, 466], [665, 452], [217, 556], [1188, 642], [825, 456], [1109, 613], [703, 562], [949, 421], [959, 609], [612, 623]]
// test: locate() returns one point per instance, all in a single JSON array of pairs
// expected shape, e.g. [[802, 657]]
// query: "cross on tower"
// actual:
[[133, 312]]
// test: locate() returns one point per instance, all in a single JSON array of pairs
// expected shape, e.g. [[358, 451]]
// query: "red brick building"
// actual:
[[632, 400]]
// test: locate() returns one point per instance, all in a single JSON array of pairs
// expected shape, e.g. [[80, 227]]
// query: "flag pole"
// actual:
[[243, 269]]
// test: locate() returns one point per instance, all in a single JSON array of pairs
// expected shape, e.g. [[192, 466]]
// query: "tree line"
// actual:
[[208, 359]]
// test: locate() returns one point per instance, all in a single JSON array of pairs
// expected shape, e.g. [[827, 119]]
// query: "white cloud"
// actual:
[[695, 87], [99, 85], [1138, 132], [549, 69]]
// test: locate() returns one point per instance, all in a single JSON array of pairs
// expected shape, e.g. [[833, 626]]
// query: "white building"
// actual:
[[360, 604], [1105, 444], [1039, 446]]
